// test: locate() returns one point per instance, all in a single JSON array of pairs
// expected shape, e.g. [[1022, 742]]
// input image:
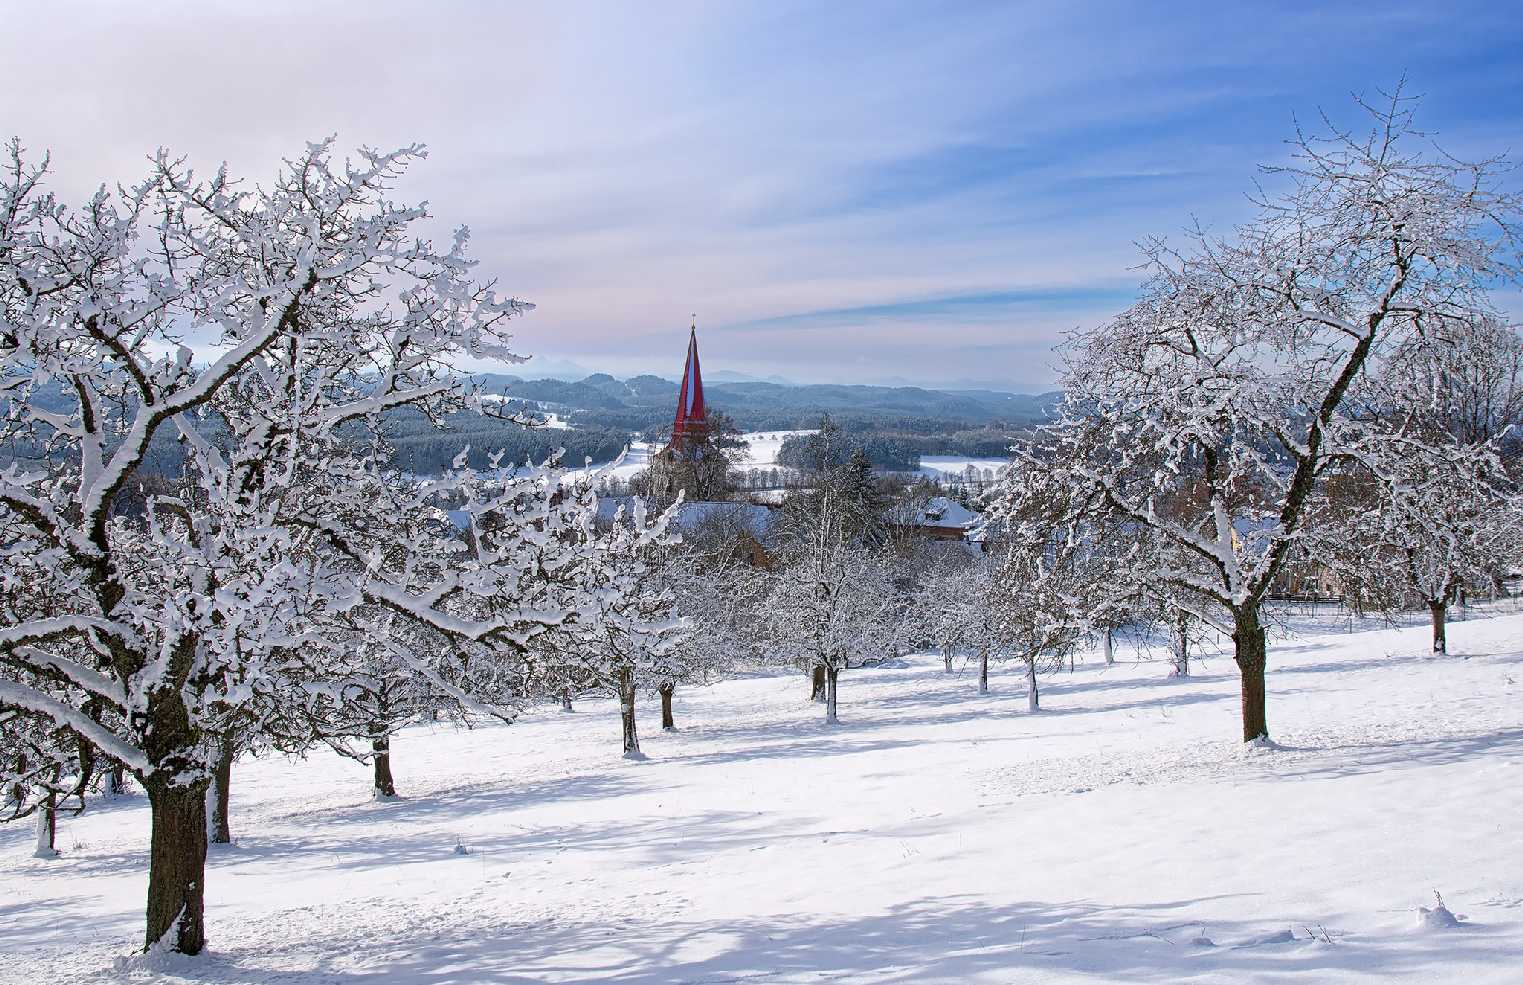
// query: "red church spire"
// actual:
[[690, 411]]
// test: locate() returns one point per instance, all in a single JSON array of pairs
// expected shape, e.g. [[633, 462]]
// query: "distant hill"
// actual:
[[643, 402], [731, 376]]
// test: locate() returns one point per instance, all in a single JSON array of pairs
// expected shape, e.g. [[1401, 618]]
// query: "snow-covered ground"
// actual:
[[942, 466], [762, 447], [761, 452], [636, 459], [1120, 835]]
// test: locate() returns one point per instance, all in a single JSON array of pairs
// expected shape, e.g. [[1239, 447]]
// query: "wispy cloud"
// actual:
[[946, 190], [962, 307]]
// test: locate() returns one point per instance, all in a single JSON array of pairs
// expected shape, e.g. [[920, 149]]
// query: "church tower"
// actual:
[[690, 462], [691, 414]]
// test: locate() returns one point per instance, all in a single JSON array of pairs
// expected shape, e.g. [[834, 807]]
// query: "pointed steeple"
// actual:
[[690, 409]]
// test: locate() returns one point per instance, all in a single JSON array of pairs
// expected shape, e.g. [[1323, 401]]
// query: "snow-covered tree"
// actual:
[[718, 578], [1227, 386], [316, 309], [1050, 566], [955, 608], [940, 606], [635, 635], [832, 603], [1430, 509]]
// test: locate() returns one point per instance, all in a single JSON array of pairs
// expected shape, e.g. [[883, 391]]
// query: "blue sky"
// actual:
[[845, 192]]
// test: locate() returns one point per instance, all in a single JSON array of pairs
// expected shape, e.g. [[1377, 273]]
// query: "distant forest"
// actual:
[[894, 425], [645, 403], [423, 449]]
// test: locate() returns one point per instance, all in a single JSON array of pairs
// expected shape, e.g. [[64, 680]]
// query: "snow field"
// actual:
[[1120, 835], [762, 447], [954, 466]]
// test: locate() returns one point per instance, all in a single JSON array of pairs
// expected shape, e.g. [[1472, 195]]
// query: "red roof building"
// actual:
[[690, 409]]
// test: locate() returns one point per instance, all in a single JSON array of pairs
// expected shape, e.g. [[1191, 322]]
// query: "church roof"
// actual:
[[690, 409]]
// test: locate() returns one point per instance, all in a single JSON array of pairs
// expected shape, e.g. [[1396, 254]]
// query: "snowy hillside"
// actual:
[[1120, 835]]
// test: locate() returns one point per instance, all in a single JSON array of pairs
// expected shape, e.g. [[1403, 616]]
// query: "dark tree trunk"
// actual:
[[17, 792], [86, 751], [177, 844], [177, 868], [220, 829], [627, 712], [1251, 654], [116, 780], [566, 699], [1110, 645], [983, 670], [1033, 697], [817, 683], [946, 657], [667, 722], [1440, 635], [831, 674], [385, 786]]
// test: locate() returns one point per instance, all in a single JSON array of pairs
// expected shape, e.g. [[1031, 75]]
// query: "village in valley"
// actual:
[[1081, 543]]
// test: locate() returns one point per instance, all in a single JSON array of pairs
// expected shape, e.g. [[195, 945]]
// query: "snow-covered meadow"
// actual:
[[1120, 835], [944, 467], [762, 447]]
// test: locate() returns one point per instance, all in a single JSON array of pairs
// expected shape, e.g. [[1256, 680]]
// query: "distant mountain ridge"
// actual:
[[760, 404]]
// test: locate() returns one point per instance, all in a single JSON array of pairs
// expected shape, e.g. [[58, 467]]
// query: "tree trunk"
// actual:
[[17, 793], [385, 786], [1251, 654], [1181, 645], [1033, 698], [667, 722], [1440, 634], [566, 699], [218, 828], [627, 712], [946, 657], [817, 683], [47, 828], [85, 750], [1109, 645], [831, 674], [116, 780], [983, 670], [177, 868]]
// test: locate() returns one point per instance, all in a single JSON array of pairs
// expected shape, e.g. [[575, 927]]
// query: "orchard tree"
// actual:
[[320, 311], [1422, 533], [1435, 512], [1227, 386], [718, 578], [634, 637], [832, 603], [955, 607], [942, 606], [1049, 568]]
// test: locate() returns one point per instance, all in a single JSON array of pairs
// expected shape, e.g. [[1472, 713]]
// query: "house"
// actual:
[[939, 518]]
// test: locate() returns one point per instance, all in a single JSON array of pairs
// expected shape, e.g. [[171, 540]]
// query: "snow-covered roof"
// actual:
[[939, 511], [756, 520]]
